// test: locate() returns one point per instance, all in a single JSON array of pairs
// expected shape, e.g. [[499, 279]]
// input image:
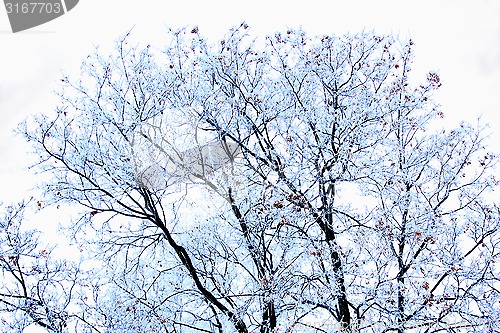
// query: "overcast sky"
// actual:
[[460, 39]]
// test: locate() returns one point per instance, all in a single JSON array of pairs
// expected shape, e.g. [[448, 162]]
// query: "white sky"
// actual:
[[459, 38]]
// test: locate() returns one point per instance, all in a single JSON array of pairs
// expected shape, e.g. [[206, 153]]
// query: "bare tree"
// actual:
[[327, 205], [34, 288]]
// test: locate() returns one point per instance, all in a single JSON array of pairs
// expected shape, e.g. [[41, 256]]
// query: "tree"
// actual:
[[34, 288], [329, 206]]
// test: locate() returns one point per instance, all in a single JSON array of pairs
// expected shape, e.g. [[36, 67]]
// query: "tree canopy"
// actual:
[[291, 184]]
